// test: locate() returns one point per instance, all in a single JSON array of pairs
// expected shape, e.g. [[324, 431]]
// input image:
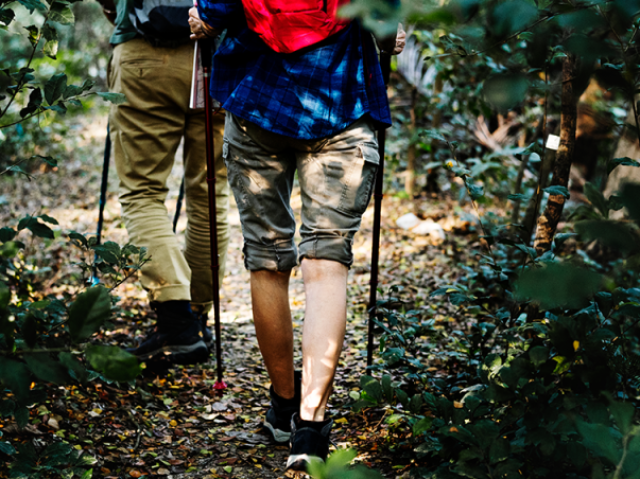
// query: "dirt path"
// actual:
[[172, 424]]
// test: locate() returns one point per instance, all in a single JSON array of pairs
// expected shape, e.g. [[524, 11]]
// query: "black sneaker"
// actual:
[[278, 418], [309, 442], [177, 338]]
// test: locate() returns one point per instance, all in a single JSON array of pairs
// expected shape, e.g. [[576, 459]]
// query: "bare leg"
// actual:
[[272, 318], [325, 284]]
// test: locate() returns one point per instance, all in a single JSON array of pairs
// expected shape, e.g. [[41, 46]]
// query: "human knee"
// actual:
[[322, 269]]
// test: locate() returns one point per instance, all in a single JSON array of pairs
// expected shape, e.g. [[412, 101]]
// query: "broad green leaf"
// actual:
[[79, 238], [32, 5], [7, 234], [51, 49], [54, 88], [106, 254], [15, 376], [416, 403], [49, 32], [499, 450], [577, 453], [558, 285], [114, 363], [630, 196], [6, 16], [403, 397], [601, 440], [558, 190], [512, 16], [613, 234], [22, 416], [596, 198], [61, 13], [505, 91], [35, 97], [46, 369], [422, 425], [341, 458], [49, 160], [7, 448], [72, 364], [115, 98], [40, 229], [386, 387], [72, 90], [88, 312], [538, 355], [33, 34], [517, 197], [485, 431], [7, 407], [622, 161], [48, 219], [29, 330], [475, 191], [471, 471], [461, 434], [622, 415], [372, 387]]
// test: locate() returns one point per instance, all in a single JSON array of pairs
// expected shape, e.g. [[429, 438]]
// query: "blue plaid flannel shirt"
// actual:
[[314, 93]]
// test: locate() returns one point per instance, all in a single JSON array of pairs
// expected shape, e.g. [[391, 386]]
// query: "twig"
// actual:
[[21, 120], [138, 429], [20, 84]]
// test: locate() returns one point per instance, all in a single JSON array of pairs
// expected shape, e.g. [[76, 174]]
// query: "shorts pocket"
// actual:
[[359, 180]]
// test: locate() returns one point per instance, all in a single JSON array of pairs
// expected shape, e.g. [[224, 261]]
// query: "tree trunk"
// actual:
[[548, 221], [436, 122], [410, 179], [522, 141]]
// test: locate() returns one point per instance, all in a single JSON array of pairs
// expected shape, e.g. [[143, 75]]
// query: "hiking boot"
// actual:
[[207, 334], [309, 442], [278, 418], [177, 337]]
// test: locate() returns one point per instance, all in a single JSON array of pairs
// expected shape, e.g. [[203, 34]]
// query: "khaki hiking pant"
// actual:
[[145, 132]]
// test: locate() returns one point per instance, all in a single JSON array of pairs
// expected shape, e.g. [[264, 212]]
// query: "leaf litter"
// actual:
[[170, 422]]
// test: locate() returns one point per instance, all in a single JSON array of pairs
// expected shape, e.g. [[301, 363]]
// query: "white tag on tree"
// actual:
[[553, 142]]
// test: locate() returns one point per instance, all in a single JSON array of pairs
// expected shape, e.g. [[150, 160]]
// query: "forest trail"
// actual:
[[170, 423]]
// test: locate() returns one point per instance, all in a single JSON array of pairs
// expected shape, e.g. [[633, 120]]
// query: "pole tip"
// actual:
[[220, 386]]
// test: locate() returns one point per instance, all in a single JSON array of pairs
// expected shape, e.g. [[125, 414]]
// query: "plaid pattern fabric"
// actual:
[[314, 93]]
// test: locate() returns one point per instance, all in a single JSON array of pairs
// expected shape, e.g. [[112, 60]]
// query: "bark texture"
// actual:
[[548, 221]]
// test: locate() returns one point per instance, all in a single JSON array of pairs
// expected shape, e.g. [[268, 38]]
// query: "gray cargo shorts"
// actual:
[[336, 176]]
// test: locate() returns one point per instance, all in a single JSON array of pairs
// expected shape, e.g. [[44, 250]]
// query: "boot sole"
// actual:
[[297, 465]]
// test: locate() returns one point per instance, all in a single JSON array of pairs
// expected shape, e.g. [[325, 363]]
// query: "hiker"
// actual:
[[314, 111], [155, 75]]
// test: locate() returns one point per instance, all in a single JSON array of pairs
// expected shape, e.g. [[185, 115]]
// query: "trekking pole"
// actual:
[[103, 201], [385, 65], [205, 53], [176, 217]]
